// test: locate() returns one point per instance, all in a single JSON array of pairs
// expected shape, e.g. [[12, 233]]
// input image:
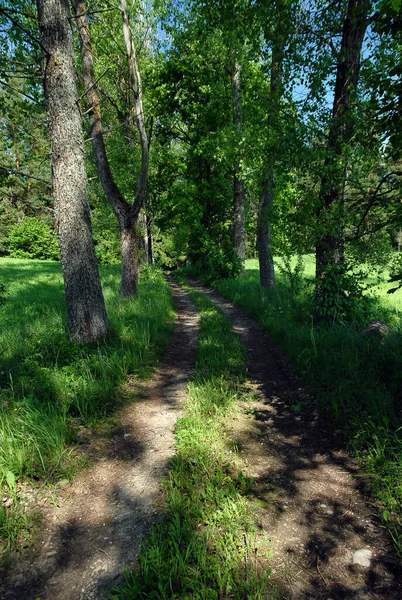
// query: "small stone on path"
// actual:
[[362, 558]]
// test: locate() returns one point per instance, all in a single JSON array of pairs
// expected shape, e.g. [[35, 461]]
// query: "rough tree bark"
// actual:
[[87, 319], [239, 223], [330, 246], [127, 214], [265, 258]]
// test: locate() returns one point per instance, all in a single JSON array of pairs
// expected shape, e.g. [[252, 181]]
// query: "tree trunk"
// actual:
[[330, 245], [127, 215], [129, 266], [144, 237], [136, 88], [151, 259], [265, 258], [87, 319], [239, 223]]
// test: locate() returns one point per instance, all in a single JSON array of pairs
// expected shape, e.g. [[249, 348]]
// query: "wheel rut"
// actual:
[[309, 492], [94, 529]]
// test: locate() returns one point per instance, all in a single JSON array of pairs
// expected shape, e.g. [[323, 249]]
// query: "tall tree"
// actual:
[[277, 31], [239, 221], [265, 258], [330, 245], [129, 239], [87, 319], [127, 214]]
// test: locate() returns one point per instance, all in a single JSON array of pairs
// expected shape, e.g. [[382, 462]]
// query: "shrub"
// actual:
[[340, 297], [32, 238], [213, 261], [108, 251]]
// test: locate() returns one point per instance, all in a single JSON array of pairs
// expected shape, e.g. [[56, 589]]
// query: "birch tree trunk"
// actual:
[[87, 319]]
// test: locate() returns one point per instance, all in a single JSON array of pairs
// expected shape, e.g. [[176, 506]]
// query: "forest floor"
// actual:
[[308, 493]]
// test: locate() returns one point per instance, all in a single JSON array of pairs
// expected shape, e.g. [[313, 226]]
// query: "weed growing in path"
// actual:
[[207, 546]]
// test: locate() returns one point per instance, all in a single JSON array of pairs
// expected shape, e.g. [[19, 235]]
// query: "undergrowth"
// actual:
[[51, 387], [356, 376], [207, 546]]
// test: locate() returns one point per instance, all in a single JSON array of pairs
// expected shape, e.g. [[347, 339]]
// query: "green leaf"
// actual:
[[10, 478], [396, 4]]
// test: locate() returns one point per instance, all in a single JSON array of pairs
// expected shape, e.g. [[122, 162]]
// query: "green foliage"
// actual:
[[107, 251], [340, 298], [51, 386], [207, 545], [32, 238], [105, 229], [170, 248], [213, 261], [292, 274], [396, 273]]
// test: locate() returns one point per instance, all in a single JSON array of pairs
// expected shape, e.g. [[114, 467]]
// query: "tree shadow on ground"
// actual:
[[310, 493], [84, 547]]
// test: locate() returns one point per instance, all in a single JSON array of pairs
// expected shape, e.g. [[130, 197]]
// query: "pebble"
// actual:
[[362, 557]]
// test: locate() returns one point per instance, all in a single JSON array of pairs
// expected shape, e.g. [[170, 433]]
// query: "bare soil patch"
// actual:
[[310, 494], [93, 529]]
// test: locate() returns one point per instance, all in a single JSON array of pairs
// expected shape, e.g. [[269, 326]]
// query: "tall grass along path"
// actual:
[[306, 489], [93, 531]]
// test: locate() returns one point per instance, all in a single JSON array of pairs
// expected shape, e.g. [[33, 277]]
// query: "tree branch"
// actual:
[[19, 26], [374, 198], [92, 86], [22, 93], [14, 172]]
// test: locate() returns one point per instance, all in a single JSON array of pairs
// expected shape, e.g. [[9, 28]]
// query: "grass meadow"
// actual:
[[356, 377], [51, 387]]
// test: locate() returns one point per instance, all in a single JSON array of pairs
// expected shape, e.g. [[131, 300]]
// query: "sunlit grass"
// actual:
[[50, 385], [357, 378], [207, 546]]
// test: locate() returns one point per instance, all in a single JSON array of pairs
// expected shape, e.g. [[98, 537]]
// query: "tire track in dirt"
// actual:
[[95, 532], [307, 489]]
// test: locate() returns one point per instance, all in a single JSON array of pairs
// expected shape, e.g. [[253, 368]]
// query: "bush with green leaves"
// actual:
[[340, 297], [32, 238], [395, 272], [214, 261]]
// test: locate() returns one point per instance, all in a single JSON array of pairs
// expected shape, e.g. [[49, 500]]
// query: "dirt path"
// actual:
[[307, 489], [96, 530]]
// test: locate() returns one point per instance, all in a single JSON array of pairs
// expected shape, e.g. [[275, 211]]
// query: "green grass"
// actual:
[[206, 547], [357, 378], [51, 386]]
